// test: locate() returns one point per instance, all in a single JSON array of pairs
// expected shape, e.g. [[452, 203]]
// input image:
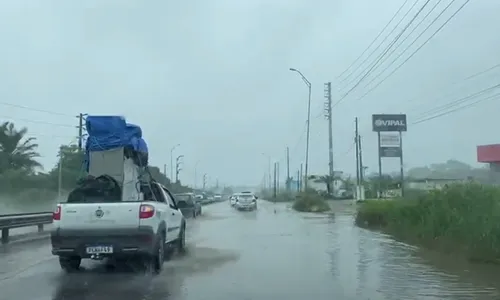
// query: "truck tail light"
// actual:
[[56, 215], [146, 211]]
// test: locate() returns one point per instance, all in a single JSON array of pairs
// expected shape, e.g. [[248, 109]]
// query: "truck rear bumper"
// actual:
[[121, 242]]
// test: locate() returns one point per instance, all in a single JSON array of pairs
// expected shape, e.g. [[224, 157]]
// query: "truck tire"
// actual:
[[158, 257], [70, 264], [181, 240]]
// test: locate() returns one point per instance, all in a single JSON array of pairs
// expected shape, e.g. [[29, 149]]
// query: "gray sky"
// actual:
[[213, 76]]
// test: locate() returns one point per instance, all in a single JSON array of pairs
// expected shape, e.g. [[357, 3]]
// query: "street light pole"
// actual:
[[59, 177], [196, 173], [172, 161], [308, 83]]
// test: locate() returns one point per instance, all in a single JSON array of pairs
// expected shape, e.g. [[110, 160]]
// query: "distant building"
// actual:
[[428, 184]]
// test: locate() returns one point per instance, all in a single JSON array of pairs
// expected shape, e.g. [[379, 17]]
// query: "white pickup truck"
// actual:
[[147, 230]]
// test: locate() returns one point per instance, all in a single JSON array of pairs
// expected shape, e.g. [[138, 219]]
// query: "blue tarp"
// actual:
[[110, 132]]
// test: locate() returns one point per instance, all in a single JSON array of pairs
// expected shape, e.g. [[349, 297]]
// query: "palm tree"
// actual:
[[16, 151], [327, 180]]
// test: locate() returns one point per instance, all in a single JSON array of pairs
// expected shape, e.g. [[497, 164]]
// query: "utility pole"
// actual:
[[361, 171], [178, 167], [275, 175], [328, 116], [80, 131], [356, 141], [217, 183], [301, 180], [269, 171], [165, 170], [204, 181], [298, 180], [361, 167], [278, 177], [287, 169]]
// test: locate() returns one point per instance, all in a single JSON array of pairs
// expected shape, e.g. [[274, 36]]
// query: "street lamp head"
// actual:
[[293, 69]]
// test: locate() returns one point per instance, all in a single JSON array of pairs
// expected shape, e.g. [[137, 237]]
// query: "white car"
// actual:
[[246, 201], [232, 199], [97, 228]]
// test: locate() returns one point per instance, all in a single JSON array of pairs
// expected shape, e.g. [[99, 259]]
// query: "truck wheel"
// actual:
[[70, 264], [181, 241], [159, 256]]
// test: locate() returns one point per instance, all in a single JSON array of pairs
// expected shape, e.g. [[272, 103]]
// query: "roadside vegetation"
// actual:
[[460, 218], [310, 201], [23, 179], [285, 197]]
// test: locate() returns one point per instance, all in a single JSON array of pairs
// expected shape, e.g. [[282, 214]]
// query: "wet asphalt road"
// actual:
[[256, 255]]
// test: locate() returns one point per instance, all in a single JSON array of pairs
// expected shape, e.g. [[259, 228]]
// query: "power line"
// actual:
[[414, 52], [348, 150], [482, 72], [35, 109], [416, 39], [383, 53], [356, 78], [37, 135], [381, 43], [458, 101], [374, 40], [445, 95], [496, 96], [37, 122]]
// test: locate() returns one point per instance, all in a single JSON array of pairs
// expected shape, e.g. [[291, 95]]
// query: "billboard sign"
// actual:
[[383, 122], [390, 151], [390, 139]]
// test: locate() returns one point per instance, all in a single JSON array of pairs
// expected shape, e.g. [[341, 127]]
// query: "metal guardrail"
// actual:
[[23, 220], [30, 219]]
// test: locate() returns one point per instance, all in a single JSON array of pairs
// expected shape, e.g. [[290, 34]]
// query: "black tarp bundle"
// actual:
[[91, 189]]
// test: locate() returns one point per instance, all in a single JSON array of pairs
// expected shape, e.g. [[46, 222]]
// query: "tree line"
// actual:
[[21, 171]]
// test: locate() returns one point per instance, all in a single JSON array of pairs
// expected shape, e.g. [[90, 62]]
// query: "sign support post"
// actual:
[[379, 193], [401, 164]]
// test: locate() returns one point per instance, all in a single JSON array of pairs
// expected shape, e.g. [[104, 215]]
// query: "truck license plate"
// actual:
[[99, 250]]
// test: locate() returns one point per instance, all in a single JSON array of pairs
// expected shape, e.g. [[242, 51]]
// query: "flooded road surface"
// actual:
[[259, 255]]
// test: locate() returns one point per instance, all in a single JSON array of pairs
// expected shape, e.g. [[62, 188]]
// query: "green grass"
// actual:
[[463, 219], [310, 202]]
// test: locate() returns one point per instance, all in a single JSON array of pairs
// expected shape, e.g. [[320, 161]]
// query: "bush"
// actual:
[[310, 202], [284, 197], [461, 218]]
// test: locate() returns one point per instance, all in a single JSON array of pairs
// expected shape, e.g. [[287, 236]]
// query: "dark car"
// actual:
[[188, 205]]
